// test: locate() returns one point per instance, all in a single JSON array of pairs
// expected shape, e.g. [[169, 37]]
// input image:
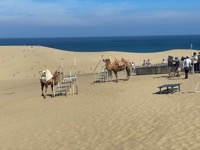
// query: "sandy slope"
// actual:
[[106, 116], [19, 62]]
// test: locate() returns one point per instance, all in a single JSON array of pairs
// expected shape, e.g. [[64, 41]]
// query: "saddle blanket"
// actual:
[[46, 75]]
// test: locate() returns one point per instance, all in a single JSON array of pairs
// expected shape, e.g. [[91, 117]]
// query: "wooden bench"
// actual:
[[170, 88]]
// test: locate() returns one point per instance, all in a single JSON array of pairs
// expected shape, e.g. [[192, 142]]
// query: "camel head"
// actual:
[[57, 73], [56, 76], [108, 64], [107, 61]]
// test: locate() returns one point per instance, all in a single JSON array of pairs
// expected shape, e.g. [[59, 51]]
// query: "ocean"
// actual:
[[137, 44]]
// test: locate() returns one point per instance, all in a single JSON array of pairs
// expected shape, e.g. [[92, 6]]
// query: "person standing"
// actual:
[[144, 63], [195, 59], [187, 64], [133, 66], [178, 67], [163, 61], [148, 63], [198, 62]]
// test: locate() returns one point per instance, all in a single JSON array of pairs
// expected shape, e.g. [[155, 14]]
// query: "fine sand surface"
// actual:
[[127, 115]]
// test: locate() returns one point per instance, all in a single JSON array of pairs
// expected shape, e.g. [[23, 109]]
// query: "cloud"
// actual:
[[33, 11], [87, 13], [64, 12], [168, 16]]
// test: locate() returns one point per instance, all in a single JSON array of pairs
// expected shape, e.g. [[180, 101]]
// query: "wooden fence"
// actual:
[[157, 69]]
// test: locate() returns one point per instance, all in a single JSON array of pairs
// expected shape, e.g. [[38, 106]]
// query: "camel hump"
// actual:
[[116, 60], [120, 63], [123, 60]]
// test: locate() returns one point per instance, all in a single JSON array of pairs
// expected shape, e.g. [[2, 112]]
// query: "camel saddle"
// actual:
[[46, 75], [121, 63]]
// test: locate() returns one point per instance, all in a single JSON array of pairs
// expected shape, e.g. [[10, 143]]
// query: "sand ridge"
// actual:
[[26, 61]]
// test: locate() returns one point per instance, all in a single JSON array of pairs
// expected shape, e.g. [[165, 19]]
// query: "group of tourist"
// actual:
[[146, 63], [196, 62], [187, 64]]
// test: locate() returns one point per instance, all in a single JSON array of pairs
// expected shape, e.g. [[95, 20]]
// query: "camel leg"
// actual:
[[128, 74], [116, 77], [52, 90], [42, 87], [46, 87], [127, 78], [42, 91]]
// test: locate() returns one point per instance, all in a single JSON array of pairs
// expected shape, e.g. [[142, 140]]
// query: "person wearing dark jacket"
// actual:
[[187, 64]]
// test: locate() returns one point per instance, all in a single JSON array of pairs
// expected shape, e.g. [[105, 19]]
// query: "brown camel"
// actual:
[[117, 66], [52, 81]]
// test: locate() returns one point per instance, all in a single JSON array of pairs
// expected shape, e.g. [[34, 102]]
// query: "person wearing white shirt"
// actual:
[[187, 64]]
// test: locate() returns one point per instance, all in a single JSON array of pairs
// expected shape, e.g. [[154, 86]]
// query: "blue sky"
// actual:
[[83, 18]]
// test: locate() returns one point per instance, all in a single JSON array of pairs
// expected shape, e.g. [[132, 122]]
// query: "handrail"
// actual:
[[97, 66]]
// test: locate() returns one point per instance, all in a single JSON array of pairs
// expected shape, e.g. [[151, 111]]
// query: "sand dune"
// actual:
[[107, 116], [20, 62]]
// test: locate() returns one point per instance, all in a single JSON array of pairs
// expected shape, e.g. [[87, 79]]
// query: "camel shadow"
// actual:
[[49, 95], [56, 95], [161, 77], [116, 81], [109, 81], [169, 78], [176, 78]]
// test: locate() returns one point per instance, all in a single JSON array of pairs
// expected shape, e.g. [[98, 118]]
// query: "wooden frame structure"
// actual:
[[68, 85], [100, 73]]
